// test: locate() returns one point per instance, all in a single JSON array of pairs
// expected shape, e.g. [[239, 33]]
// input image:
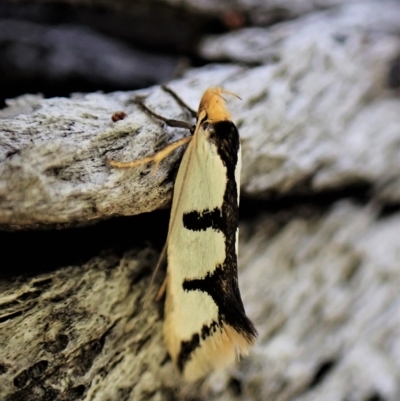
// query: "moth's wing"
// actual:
[[205, 324]]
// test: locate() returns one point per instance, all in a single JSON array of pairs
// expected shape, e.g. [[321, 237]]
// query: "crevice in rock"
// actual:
[[250, 207], [10, 316], [321, 373], [375, 397], [77, 245], [389, 209]]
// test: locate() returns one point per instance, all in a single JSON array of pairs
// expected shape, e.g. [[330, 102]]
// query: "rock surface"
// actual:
[[320, 117], [320, 285]]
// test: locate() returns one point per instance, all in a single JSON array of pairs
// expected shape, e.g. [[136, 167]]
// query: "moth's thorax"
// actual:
[[206, 129]]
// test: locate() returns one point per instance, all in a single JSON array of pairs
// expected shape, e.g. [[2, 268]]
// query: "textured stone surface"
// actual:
[[84, 330], [258, 45], [324, 293], [322, 102], [320, 117], [320, 286]]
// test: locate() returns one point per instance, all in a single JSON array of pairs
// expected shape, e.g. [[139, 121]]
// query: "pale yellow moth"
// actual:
[[205, 325]]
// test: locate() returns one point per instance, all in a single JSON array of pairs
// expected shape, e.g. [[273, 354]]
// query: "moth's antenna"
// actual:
[[220, 90]]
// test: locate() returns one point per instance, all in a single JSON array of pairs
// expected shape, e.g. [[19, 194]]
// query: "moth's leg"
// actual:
[[169, 121], [161, 260], [163, 153], [181, 103], [162, 289], [157, 158]]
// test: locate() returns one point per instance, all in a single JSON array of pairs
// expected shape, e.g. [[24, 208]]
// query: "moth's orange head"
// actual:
[[212, 105]]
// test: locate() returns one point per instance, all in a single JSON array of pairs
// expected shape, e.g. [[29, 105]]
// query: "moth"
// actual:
[[205, 324]]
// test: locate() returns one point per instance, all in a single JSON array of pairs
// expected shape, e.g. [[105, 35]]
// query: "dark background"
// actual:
[[58, 49]]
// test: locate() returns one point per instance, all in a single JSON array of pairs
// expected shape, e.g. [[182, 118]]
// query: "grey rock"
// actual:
[[320, 117], [320, 286]]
